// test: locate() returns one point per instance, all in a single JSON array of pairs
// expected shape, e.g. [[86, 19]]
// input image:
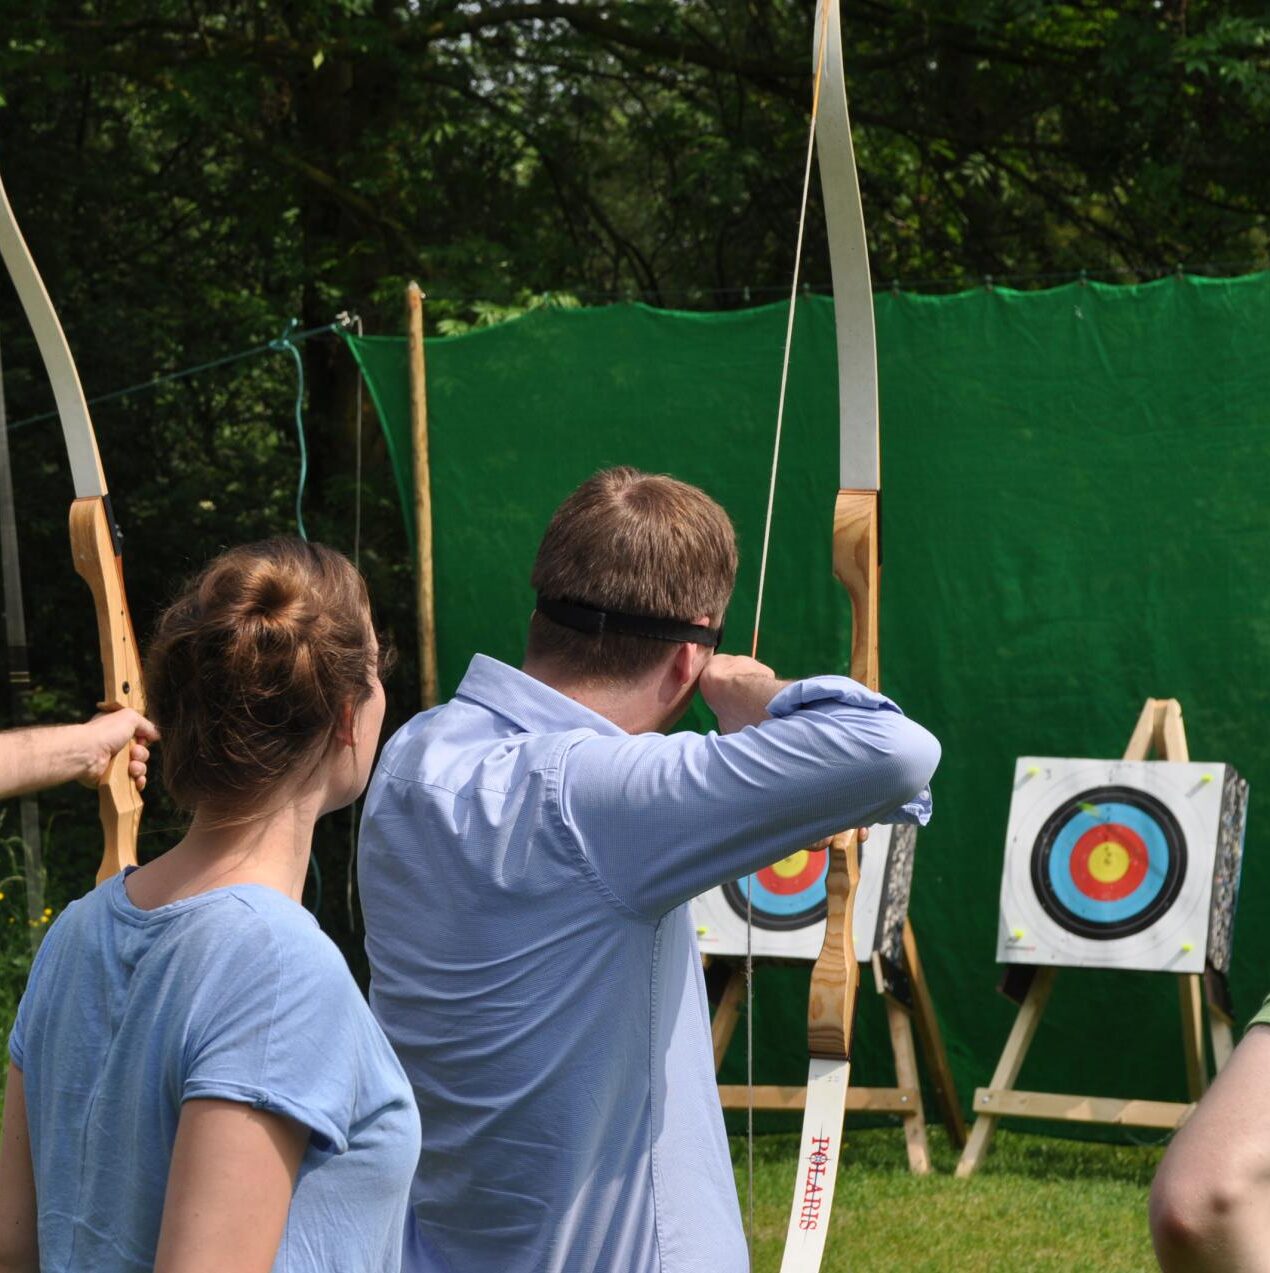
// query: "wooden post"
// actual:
[[423, 499], [19, 680]]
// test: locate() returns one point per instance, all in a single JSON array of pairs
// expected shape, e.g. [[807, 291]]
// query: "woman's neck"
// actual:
[[272, 849]]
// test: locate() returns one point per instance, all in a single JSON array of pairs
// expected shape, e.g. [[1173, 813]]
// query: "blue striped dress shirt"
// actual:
[[525, 869]]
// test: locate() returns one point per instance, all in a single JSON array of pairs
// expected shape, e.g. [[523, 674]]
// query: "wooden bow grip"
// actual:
[[835, 982], [93, 550]]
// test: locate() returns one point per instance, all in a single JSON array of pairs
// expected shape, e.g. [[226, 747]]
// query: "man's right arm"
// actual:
[[664, 818]]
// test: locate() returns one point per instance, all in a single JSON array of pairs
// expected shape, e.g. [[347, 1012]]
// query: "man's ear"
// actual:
[[688, 663], [345, 733]]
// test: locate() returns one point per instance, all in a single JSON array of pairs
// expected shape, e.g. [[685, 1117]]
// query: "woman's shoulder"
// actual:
[[255, 920], [258, 957]]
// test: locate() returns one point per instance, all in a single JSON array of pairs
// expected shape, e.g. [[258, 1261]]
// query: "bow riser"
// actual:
[[835, 979], [836, 976], [857, 565], [93, 548]]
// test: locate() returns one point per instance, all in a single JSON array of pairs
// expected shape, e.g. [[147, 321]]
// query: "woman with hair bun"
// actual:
[[196, 1081]]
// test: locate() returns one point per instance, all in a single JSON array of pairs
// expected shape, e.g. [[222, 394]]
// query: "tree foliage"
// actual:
[[191, 175]]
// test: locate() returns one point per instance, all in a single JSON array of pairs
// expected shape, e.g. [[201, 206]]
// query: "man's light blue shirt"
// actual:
[[525, 869]]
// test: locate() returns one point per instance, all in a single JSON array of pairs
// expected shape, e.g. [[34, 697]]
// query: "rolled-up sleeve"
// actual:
[[664, 818]]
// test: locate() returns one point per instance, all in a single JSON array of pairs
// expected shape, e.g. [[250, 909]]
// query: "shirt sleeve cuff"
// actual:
[[829, 690], [330, 1136], [917, 811]]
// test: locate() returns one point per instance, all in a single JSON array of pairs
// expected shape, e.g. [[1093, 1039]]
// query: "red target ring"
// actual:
[[1108, 862], [793, 874]]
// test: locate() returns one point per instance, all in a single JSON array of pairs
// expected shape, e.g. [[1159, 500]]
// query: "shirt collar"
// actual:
[[529, 703]]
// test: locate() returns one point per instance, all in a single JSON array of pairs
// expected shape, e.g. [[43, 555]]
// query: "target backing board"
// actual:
[[1121, 864], [789, 903]]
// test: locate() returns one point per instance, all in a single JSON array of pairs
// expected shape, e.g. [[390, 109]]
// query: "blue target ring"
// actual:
[[1063, 889], [1118, 813]]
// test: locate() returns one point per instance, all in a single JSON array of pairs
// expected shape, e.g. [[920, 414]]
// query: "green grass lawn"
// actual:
[[1036, 1205]]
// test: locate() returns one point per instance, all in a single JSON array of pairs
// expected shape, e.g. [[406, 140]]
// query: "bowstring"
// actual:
[[823, 14]]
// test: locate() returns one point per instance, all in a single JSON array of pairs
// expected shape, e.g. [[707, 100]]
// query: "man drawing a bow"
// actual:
[[529, 850]]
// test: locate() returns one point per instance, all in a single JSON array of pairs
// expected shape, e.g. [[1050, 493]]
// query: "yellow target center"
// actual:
[[1109, 862], [793, 865]]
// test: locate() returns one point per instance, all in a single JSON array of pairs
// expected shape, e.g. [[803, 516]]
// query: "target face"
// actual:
[[1109, 862], [789, 894], [789, 904]]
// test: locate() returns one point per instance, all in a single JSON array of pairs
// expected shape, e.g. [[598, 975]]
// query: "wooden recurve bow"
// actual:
[[835, 978], [96, 544]]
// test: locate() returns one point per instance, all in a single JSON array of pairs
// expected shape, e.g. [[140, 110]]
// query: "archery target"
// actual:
[[1111, 864], [789, 904], [789, 894]]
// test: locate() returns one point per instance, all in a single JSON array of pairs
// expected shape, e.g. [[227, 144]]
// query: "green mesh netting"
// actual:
[[1074, 520]]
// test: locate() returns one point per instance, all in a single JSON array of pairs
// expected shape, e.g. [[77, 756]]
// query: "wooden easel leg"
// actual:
[[1221, 1022], [1173, 733], [723, 1027], [1008, 1067], [1191, 996], [1145, 732], [1223, 1039], [1170, 744], [905, 1053], [932, 1040]]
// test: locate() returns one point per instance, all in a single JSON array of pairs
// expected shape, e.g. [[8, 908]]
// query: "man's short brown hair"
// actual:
[[639, 543]]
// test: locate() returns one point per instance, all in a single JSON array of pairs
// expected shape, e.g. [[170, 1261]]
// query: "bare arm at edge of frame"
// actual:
[[1210, 1200]]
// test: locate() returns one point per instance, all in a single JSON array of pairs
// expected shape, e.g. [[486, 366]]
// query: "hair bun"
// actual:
[[251, 667], [280, 597]]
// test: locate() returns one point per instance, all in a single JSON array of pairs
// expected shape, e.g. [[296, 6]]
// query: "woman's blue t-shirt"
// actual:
[[234, 994]]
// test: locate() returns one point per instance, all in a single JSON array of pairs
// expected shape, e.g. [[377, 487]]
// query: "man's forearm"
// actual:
[[33, 759], [749, 700], [738, 690]]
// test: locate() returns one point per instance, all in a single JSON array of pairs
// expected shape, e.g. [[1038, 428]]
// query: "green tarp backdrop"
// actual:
[[1074, 519]]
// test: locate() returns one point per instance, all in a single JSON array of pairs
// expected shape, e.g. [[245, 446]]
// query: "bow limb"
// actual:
[[835, 978], [96, 543]]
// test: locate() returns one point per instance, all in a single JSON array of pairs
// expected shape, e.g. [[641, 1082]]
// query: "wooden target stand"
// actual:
[[904, 1099], [1159, 729]]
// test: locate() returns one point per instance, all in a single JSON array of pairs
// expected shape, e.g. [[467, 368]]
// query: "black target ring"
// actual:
[[1108, 908]]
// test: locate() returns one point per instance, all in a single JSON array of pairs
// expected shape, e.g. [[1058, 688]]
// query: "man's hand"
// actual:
[[737, 690], [109, 733], [33, 759], [862, 834]]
